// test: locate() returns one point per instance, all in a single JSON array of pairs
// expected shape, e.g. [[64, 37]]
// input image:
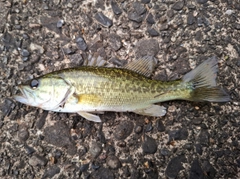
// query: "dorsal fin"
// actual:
[[144, 65]]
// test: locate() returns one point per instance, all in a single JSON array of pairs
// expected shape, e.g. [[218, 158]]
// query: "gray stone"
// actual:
[[113, 162], [102, 173], [196, 170], [6, 107], [134, 16], [95, 149], [180, 134], [160, 125], [190, 19], [202, 1], [149, 145], [150, 19], [23, 133], [115, 7], [53, 170], [139, 8], [123, 130], [152, 32], [178, 5], [60, 23], [81, 44], [103, 20], [115, 41], [145, 1], [174, 166], [203, 137], [37, 160], [25, 53], [59, 135]]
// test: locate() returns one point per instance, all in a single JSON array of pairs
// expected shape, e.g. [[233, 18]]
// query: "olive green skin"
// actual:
[[116, 89]]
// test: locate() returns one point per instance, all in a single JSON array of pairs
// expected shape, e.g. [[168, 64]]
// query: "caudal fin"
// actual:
[[203, 80]]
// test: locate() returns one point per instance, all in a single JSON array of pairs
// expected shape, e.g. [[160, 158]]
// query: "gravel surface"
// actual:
[[194, 140]]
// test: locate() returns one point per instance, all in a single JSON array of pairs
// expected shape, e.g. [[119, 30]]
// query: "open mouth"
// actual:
[[21, 96]]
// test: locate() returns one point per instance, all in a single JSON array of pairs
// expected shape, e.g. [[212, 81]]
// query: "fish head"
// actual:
[[44, 92]]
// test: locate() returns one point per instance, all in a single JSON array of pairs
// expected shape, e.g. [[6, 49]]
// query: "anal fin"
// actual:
[[89, 116], [153, 110]]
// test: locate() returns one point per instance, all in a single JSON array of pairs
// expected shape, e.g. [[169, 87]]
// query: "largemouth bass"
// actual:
[[86, 90]]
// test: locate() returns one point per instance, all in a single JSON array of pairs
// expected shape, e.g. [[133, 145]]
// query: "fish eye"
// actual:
[[34, 84]]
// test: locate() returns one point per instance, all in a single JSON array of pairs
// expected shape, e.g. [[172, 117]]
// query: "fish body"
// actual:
[[86, 90]]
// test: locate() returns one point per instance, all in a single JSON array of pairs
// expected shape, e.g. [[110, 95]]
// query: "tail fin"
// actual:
[[203, 82]]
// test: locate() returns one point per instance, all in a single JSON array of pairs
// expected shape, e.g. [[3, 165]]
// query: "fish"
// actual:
[[90, 90]]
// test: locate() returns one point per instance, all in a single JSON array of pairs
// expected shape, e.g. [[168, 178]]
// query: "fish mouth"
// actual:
[[22, 95]]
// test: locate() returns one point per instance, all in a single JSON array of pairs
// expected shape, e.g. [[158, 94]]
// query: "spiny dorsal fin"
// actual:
[[144, 65]]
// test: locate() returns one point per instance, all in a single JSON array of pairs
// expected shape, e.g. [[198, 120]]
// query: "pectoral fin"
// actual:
[[89, 116], [153, 110]]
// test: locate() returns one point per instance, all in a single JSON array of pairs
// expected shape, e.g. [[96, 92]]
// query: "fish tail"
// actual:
[[203, 83]]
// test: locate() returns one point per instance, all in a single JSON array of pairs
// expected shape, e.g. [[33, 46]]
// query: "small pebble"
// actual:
[[196, 170], [41, 120], [190, 19], [123, 130], [115, 7], [81, 44], [134, 16], [23, 134], [149, 127], [165, 152], [113, 162], [180, 134], [203, 137], [149, 146], [138, 129], [152, 32], [197, 120], [29, 149], [25, 53], [51, 172], [37, 160], [102, 173], [237, 26], [84, 167], [60, 23], [115, 41], [150, 19], [178, 5], [202, 1], [95, 149], [160, 125], [25, 59], [174, 166], [103, 20], [199, 149], [145, 1], [209, 169], [229, 12], [6, 107], [139, 8]]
